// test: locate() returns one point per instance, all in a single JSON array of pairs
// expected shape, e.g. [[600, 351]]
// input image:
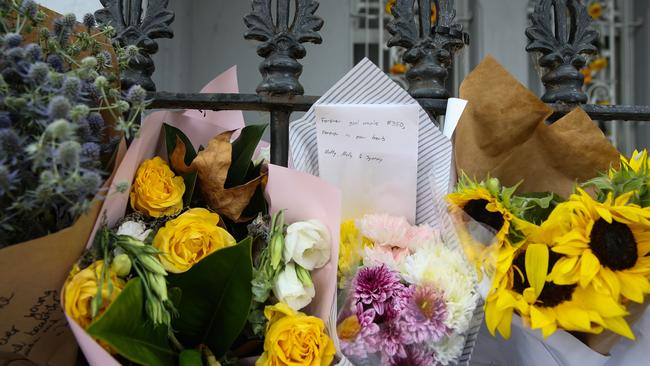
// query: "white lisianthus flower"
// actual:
[[447, 270], [308, 243], [290, 290], [448, 349], [134, 229]]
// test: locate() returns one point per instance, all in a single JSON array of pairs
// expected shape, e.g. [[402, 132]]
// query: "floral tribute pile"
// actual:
[[197, 272], [574, 264], [410, 296]]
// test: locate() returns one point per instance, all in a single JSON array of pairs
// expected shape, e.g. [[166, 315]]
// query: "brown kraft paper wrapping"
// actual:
[[503, 134], [32, 324]]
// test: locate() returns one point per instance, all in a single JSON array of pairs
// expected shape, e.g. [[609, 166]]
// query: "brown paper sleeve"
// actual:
[[503, 134]]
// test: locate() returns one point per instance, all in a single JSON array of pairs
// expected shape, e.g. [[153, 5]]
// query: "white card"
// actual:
[[370, 152]]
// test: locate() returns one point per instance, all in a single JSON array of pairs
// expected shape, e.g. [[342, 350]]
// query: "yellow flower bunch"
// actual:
[[293, 338], [190, 237], [156, 190], [595, 10], [351, 248], [82, 286]]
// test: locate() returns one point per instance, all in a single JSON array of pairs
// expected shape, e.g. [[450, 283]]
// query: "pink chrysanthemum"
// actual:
[[385, 230], [416, 355], [377, 292], [423, 318], [390, 341]]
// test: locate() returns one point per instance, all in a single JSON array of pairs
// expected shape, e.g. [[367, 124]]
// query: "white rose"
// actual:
[[290, 290], [134, 229], [307, 243]]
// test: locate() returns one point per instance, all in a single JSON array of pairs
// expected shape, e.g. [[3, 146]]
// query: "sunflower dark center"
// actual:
[[614, 245], [476, 210], [552, 294]]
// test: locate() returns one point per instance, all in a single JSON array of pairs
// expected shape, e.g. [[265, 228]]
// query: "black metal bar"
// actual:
[[253, 102], [561, 33], [280, 136]]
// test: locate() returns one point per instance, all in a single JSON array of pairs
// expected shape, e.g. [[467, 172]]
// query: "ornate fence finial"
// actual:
[[139, 27], [429, 47], [561, 31], [281, 43]]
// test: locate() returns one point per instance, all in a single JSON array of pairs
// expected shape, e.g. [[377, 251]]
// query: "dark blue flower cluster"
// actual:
[[55, 110]]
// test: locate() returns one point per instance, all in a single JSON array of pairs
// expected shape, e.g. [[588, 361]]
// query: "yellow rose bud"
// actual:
[[287, 332], [81, 288], [187, 239], [156, 190], [348, 328]]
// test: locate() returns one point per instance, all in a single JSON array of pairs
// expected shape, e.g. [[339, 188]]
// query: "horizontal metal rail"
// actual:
[[300, 103]]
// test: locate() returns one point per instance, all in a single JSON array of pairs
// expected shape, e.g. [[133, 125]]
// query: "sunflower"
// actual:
[[485, 202], [547, 306], [604, 245], [595, 10], [631, 175]]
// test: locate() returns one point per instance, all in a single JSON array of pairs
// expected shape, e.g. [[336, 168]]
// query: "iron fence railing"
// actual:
[[560, 35]]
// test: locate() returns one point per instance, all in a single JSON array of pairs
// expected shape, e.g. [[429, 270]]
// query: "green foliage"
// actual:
[[216, 298]]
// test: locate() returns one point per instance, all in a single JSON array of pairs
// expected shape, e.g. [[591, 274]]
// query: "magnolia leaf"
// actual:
[[537, 266], [243, 150], [172, 137], [190, 183], [216, 298], [127, 329]]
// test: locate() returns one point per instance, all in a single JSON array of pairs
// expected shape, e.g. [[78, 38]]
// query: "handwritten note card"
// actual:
[[370, 152]]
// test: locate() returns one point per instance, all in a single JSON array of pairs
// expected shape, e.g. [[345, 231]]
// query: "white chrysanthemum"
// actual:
[[447, 270], [448, 349]]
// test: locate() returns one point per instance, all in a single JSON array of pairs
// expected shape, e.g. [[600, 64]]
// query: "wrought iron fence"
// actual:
[[560, 35]]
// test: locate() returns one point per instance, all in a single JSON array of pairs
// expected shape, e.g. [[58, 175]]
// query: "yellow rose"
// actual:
[[187, 239], [348, 328], [293, 338], [156, 190], [81, 288]]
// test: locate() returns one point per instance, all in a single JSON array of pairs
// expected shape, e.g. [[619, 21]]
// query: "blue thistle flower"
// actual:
[[89, 20], [69, 20], [90, 151], [29, 8], [15, 54], [11, 76], [104, 59], [8, 179], [71, 87], [136, 95], [5, 120], [56, 62], [38, 72], [90, 183], [34, 52], [57, 27], [60, 130], [96, 122], [10, 143], [68, 154], [12, 40], [59, 107], [84, 131]]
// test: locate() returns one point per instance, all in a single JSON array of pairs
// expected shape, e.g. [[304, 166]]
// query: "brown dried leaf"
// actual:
[[212, 165], [177, 158]]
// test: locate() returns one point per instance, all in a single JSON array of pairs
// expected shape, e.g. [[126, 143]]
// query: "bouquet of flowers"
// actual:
[[560, 271], [412, 299], [206, 271], [61, 119]]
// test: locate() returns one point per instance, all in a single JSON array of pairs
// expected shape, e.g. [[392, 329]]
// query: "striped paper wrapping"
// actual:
[[367, 84]]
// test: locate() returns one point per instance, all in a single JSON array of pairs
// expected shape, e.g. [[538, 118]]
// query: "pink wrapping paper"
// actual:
[[306, 197]]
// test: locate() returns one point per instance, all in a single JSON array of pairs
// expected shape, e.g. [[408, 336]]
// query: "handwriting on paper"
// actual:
[[370, 153]]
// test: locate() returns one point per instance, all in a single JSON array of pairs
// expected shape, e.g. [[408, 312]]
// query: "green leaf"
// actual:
[[126, 328], [216, 298], [190, 183], [536, 207], [191, 357], [170, 142], [243, 150]]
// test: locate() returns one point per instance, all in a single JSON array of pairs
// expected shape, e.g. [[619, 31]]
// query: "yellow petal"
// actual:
[[589, 266], [537, 266], [604, 213], [619, 326], [505, 324], [634, 286]]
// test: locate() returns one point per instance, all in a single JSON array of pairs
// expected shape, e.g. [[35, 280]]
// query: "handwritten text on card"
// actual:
[[370, 152]]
